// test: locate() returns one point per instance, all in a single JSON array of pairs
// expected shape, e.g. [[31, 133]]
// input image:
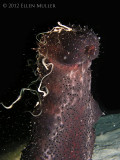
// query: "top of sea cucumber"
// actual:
[[70, 45]]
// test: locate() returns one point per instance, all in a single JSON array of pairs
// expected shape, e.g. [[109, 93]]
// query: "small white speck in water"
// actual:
[[64, 57]]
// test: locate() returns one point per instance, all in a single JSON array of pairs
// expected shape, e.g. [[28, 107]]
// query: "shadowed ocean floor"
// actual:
[[107, 144]]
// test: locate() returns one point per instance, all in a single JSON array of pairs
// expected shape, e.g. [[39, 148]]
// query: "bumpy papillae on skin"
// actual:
[[64, 130]]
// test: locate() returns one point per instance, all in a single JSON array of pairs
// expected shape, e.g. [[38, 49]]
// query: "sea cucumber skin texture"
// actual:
[[64, 131]]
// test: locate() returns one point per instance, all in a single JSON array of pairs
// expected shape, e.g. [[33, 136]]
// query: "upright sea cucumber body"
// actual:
[[64, 131]]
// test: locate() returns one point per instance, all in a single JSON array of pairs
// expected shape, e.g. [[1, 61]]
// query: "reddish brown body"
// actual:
[[64, 131]]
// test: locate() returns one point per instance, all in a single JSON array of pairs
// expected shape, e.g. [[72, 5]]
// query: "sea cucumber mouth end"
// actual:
[[69, 45]]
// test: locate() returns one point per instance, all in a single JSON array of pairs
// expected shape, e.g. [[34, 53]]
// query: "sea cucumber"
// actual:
[[64, 130]]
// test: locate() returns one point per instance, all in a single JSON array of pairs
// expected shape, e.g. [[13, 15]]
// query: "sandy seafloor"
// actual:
[[107, 144]]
